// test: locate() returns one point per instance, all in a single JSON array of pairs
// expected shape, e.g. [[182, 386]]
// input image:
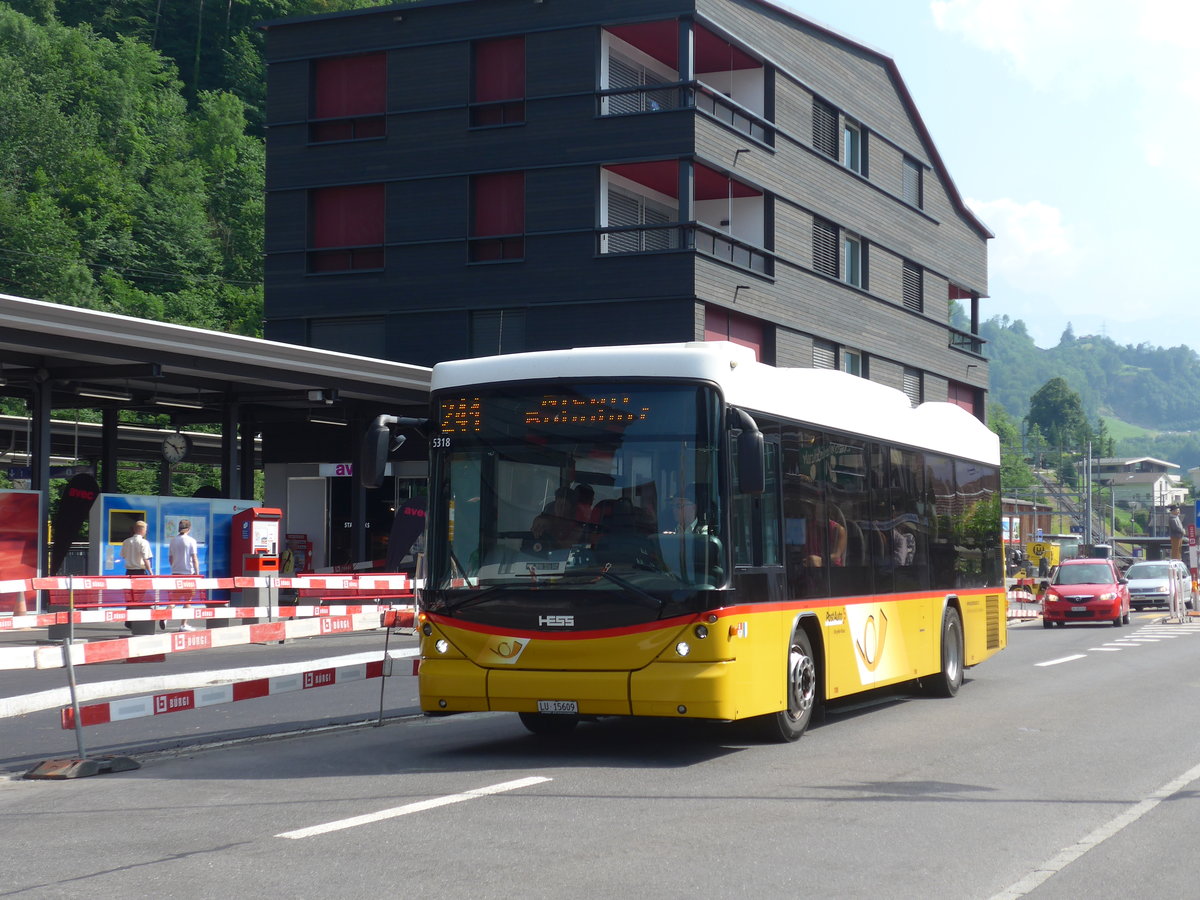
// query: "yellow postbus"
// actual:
[[680, 531]]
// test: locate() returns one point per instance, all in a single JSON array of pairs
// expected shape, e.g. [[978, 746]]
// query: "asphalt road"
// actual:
[[1066, 767]]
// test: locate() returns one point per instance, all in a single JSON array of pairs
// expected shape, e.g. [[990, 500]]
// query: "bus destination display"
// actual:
[[465, 415]]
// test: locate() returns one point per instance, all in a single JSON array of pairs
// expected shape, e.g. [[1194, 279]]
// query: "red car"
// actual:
[[1086, 590]]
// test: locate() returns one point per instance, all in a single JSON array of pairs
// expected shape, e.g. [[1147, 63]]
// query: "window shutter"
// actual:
[[824, 355], [350, 86], [622, 213], [500, 70], [911, 190], [627, 76], [914, 287], [499, 204], [825, 248], [912, 386], [825, 128]]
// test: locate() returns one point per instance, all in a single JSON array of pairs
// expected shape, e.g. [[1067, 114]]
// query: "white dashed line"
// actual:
[[412, 808], [1069, 854], [1055, 662]]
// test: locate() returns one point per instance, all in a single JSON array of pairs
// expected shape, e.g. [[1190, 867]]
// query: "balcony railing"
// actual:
[[731, 113], [685, 95], [962, 340], [686, 236]]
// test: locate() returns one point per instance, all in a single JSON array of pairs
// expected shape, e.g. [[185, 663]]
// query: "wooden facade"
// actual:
[[695, 117]]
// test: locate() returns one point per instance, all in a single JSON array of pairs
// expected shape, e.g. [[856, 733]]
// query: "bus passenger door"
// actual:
[[757, 542]]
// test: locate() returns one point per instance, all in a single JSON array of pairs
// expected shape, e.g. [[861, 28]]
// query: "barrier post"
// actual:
[[81, 766]]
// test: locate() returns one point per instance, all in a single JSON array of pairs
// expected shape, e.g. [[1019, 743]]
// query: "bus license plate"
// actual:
[[558, 707]]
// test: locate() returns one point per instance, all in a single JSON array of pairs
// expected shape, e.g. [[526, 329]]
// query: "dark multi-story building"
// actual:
[[454, 178]]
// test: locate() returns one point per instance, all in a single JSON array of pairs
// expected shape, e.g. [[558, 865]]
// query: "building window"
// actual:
[[853, 263], [496, 331], [914, 287], [498, 91], [824, 355], [346, 227], [854, 155], [824, 249], [349, 98], [911, 187], [825, 130], [965, 396], [912, 386], [628, 80], [852, 363], [497, 217], [649, 224]]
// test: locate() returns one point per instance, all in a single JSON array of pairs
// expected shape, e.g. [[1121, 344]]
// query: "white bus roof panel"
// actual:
[[824, 398]]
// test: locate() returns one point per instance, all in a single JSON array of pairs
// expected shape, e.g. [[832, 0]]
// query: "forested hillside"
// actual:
[[131, 155], [1156, 389]]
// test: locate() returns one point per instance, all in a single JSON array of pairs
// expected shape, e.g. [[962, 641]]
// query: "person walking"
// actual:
[[137, 555], [184, 557], [136, 552]]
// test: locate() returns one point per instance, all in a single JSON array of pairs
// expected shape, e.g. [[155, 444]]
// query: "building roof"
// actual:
[[1134, 460], [160, 365]]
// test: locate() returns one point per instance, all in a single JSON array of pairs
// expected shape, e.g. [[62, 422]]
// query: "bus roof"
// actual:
[[824, 398]]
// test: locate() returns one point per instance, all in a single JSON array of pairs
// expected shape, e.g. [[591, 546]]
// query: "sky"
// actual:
[[1071, 129]]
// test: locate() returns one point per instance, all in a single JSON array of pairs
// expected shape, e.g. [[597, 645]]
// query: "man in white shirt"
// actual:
[[184, 557], [136, 552]]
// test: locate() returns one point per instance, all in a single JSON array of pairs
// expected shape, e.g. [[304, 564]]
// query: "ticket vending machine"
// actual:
[[255, 548]]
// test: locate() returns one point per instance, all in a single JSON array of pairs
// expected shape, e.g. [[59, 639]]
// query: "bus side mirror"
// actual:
[[751, 467], [376, 444]]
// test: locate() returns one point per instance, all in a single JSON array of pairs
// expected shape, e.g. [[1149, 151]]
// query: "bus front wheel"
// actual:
[[947, 682], [802, 693]]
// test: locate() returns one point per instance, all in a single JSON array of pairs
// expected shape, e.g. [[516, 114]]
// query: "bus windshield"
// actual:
[[602, 487]]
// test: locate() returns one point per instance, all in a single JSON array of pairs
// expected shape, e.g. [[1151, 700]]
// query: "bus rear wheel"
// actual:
[[802, 696], [541, 723], [947, 682]]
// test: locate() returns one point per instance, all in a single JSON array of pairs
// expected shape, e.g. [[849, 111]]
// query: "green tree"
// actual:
[[1015, 473], [1057, 411]]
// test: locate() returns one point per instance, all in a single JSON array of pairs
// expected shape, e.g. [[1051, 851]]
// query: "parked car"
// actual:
[[1086, 590], [1165, 582]]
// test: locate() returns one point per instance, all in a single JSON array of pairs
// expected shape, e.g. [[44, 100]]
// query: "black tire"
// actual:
[[1117, 622], [1046, 623], [541, 723], [947, 682], [803, 693]]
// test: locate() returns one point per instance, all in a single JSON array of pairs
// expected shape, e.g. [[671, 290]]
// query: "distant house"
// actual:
[[1142, 482]]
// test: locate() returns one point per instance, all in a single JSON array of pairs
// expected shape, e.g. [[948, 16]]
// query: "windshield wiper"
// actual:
[[479, 596], [650, 600]]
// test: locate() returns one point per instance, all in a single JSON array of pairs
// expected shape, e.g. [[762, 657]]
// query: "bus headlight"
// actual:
[[427, 629], [442, 645], [682, 648], [701, 631]]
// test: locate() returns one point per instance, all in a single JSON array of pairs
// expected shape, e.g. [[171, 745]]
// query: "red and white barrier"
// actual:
[[191, 614], [119, 649], [181, 701]]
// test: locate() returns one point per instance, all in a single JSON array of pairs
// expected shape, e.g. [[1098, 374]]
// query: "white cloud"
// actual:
[[1136, 57], [1032, 245]]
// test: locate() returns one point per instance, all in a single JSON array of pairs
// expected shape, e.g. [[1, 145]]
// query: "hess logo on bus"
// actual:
[[556, 621]]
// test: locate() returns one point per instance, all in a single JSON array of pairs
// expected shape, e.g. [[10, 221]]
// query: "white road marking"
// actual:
[[1113, 649], [412, 808], [1069, 854], [1055, 662], [1123, 644]]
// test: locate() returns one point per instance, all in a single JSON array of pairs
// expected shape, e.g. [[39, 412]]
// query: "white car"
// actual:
[[1165, 582]]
